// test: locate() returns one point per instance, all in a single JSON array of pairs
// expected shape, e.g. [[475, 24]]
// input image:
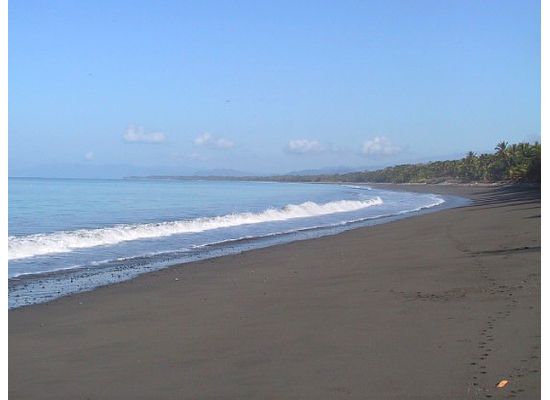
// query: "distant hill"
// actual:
[[326, 171], [520, 162], [222, 172]]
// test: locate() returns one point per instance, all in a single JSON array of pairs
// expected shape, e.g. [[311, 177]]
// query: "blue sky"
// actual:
[[174, 87]]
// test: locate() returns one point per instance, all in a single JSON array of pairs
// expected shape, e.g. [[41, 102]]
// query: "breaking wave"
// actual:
[[66, 241]]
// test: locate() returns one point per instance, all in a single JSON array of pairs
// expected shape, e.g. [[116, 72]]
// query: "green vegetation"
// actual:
[[515, 163], [512, 163]]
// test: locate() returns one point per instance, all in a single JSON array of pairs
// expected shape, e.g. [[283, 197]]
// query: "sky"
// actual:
[[114, 88]]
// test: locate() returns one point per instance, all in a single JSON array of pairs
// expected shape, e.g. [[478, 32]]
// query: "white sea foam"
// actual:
[[64, 241], [437, 201], [361, 187]]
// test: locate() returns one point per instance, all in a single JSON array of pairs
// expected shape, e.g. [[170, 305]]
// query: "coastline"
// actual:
[[436, 306], [39, 286]]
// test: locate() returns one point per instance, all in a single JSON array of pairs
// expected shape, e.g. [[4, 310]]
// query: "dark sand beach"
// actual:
[[439, 306]]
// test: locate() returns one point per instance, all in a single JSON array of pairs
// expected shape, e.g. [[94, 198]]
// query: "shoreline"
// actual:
[[60, 282], [433, 306]]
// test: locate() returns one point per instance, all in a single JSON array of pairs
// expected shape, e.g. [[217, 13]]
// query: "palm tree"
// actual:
[[469, 166], [501, 149], [502, 164]]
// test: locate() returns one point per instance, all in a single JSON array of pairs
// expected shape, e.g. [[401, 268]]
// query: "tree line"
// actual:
[[517, 163]]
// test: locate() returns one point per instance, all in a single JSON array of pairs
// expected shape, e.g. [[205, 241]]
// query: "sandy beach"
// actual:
[[439, 306]]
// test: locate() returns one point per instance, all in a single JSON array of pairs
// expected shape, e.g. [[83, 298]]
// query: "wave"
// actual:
[[360, 187], [437, 201], [65, 241]]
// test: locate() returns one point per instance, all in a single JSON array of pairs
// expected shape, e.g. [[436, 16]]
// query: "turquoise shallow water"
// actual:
[[68, 235]]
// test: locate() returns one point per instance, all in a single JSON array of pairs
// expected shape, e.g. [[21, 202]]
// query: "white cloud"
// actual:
[[136, 134], [305, 146], [89, 156], [380, 146], [208, 140]]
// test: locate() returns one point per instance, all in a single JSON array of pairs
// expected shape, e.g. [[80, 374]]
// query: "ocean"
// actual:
[[71, 235]]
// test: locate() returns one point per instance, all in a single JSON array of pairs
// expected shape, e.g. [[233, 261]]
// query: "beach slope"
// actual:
[[439, 306]]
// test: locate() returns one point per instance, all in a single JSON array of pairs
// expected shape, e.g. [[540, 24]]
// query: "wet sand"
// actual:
[[440, 306]]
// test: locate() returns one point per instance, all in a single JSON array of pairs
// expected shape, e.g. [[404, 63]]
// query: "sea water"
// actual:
[[70, 235]]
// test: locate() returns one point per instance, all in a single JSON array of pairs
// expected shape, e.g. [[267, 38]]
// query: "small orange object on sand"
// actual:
[[502, 383]]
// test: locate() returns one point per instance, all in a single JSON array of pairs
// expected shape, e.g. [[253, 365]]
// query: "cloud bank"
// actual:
[[304, 146], [380, 146], [213, 142], [136, 134]]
